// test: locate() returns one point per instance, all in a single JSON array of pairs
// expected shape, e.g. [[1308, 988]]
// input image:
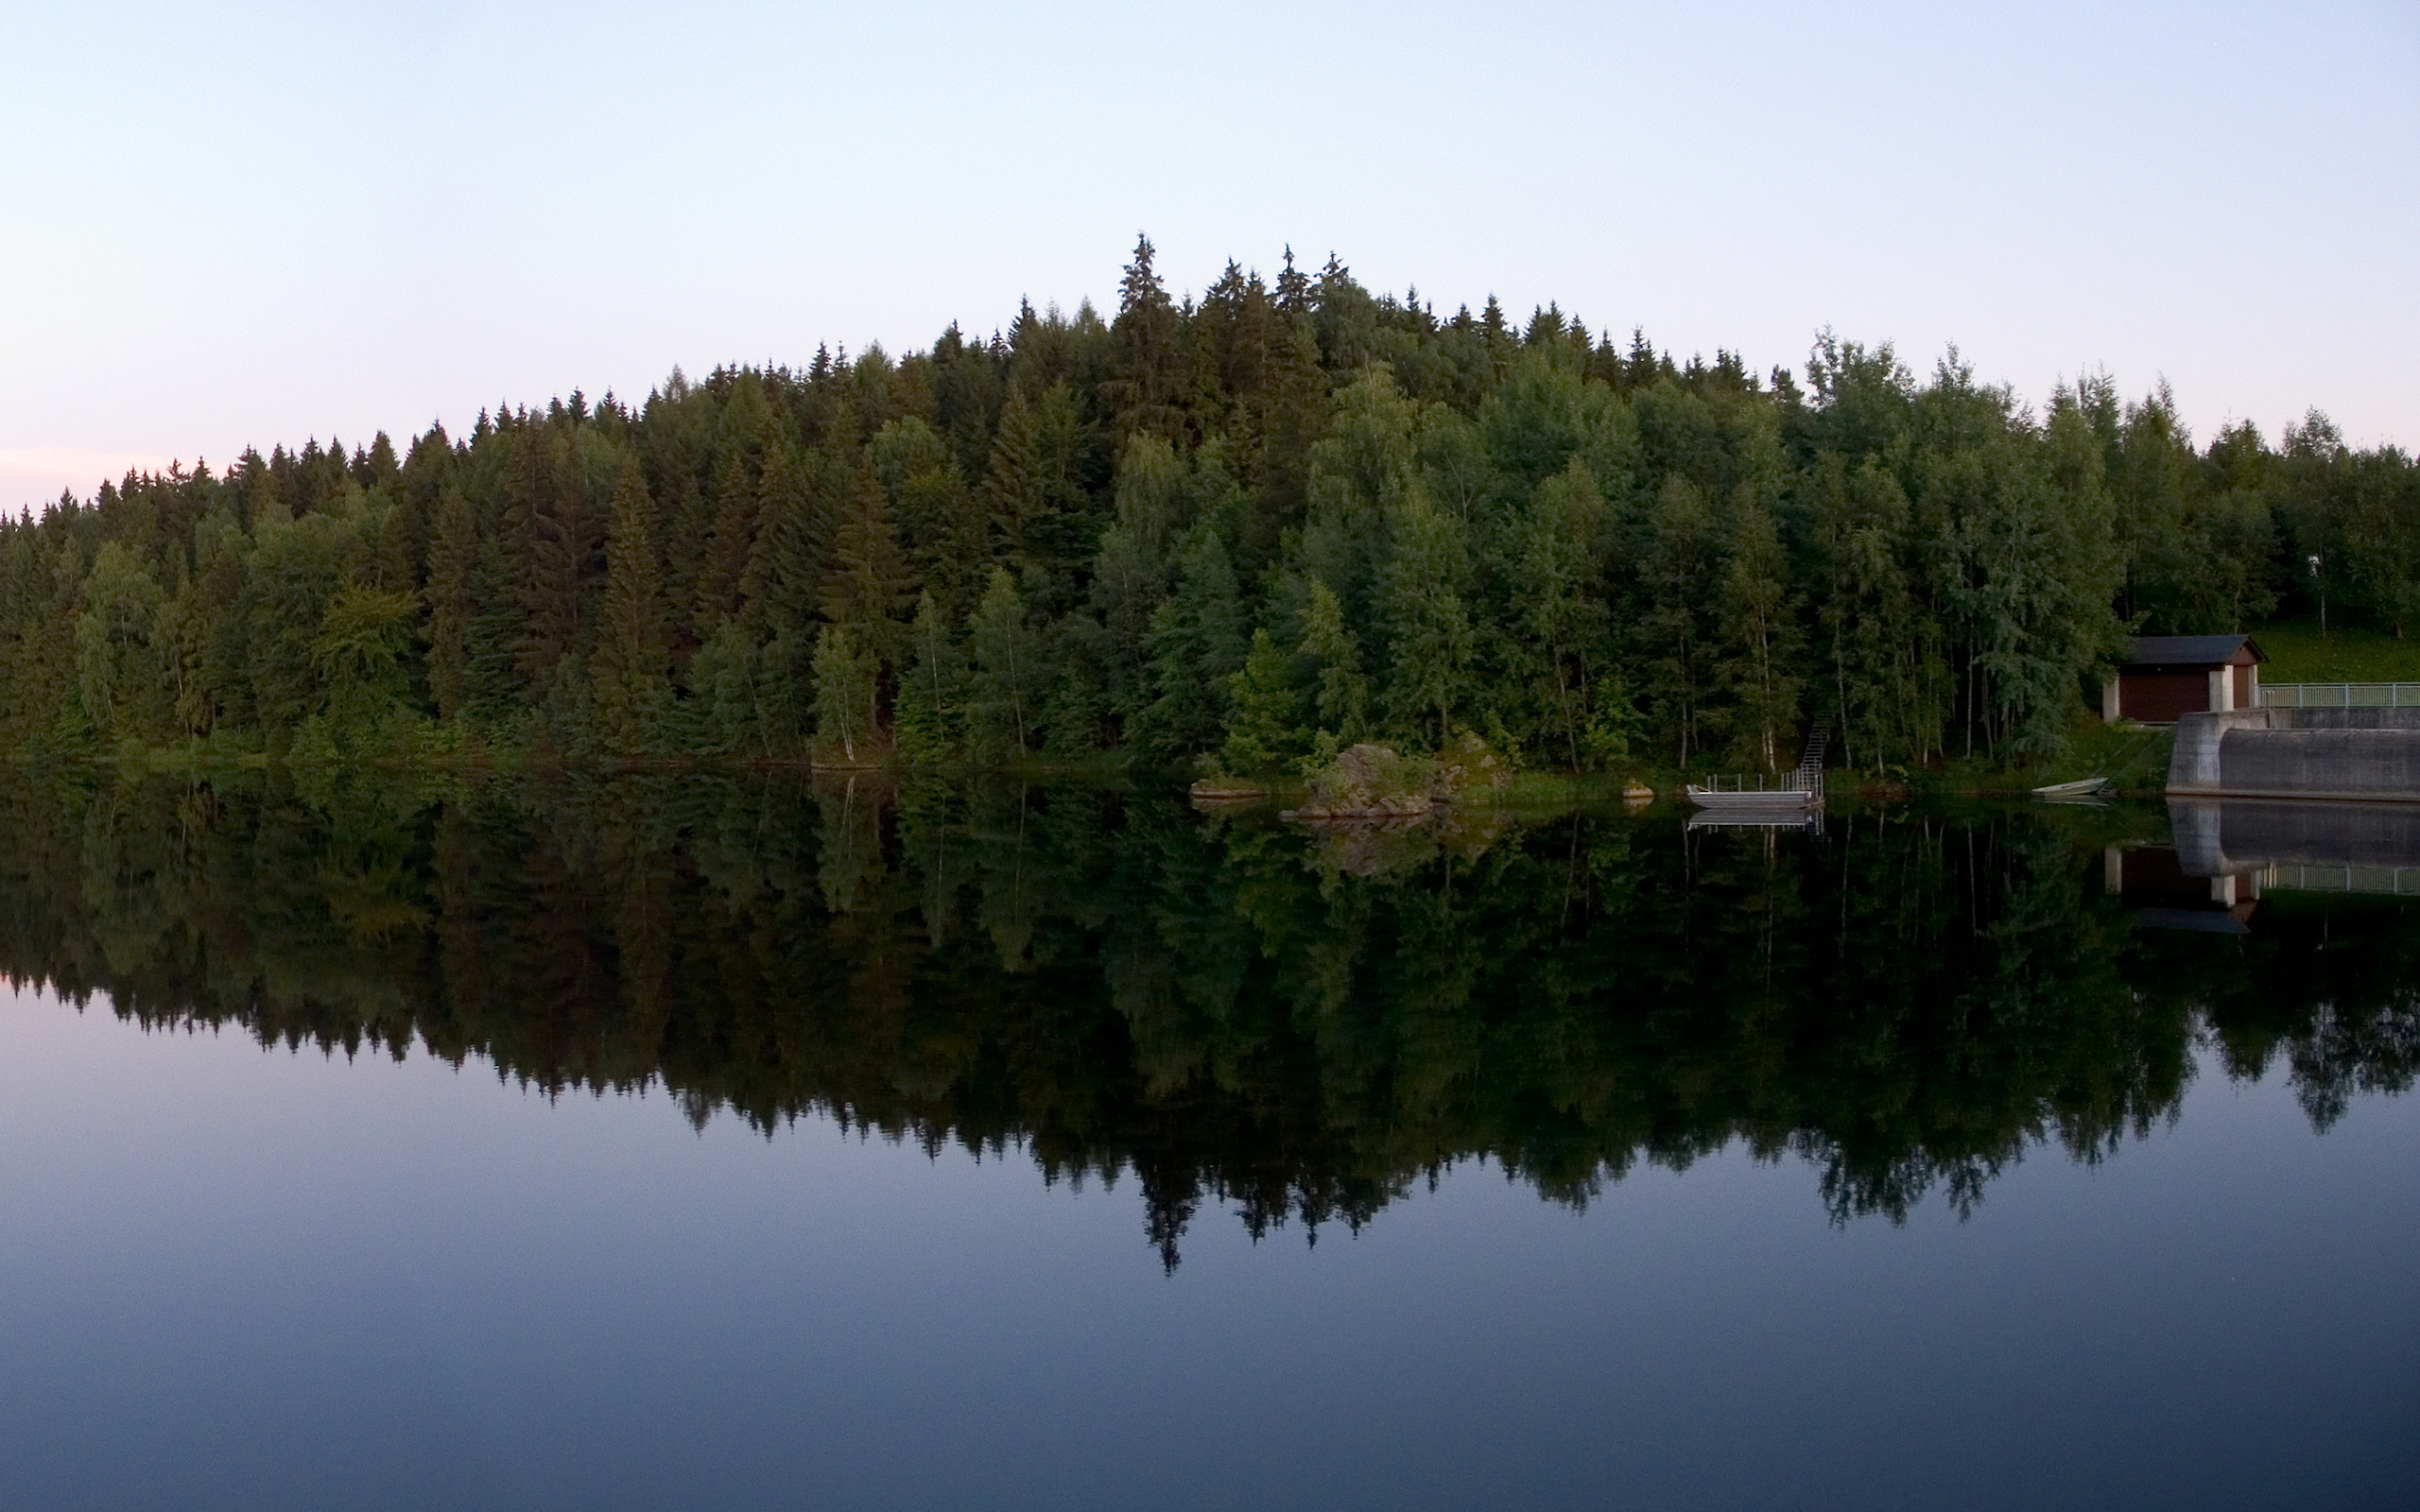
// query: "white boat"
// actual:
[[2088, 787], [1779, 800], [1788, 801]]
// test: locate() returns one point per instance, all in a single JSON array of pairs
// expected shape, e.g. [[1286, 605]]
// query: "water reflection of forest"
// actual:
[[1224, 1010]]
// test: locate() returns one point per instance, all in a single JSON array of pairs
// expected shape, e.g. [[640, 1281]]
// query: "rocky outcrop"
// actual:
[[1367, 782]]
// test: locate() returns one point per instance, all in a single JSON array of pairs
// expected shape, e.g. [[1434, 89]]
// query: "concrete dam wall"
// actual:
[[2368, 755]]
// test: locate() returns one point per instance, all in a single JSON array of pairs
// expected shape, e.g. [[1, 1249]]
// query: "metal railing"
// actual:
[[2340, 696], [1787, 784], [2394, 882]]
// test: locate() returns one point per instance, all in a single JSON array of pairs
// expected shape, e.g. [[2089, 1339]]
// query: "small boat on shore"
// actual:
[[2089, 787]]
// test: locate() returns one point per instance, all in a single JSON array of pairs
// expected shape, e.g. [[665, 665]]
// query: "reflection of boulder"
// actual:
[[1465, 831], [1371, 847], [1217, 792], [1375, 812]]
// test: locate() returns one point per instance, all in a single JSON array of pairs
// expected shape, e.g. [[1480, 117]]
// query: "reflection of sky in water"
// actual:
[[232, 1278]]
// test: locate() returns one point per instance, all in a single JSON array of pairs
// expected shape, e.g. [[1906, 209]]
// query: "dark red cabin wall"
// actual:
[[2160, 698]]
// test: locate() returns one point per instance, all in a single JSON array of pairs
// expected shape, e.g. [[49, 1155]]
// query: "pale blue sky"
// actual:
[[250, 224]]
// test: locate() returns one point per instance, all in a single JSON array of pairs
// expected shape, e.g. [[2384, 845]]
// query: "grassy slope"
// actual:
[[2298, 654]]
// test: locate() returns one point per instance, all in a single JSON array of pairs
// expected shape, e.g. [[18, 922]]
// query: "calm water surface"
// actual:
[[695, 1144]]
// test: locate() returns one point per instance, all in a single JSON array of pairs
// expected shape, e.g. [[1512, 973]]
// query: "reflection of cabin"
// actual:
[[2166, 676], [2154, 881]]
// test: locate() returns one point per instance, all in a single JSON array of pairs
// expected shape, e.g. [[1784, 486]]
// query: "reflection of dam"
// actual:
[[2230, 852], [2362, 847]]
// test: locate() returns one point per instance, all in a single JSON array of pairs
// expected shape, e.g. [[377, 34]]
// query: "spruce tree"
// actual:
[[1148, 375], [453, 605], [1012, 499], [1195, 643], [565, 570], [869, 583], [1427, 625], [1264, 729], [1342, 694], [774, 590], [633, 648], [729, 541]]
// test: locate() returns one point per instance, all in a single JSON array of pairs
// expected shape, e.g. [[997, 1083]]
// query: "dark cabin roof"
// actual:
[[2191, 650]]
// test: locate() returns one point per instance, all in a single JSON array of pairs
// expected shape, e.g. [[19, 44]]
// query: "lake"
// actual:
[[692, 1141]]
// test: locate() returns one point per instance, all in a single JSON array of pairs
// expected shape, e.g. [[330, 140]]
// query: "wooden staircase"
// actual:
[[1808, 777]]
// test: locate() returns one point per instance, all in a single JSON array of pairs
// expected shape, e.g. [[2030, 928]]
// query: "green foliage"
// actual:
[[1066, 541], [119, 674], [931, 710], [632, 650], [1265, 729], [1340, 696], [1002, 700], [363, 637], [844, 692], [1196, 643], [1419, 605]]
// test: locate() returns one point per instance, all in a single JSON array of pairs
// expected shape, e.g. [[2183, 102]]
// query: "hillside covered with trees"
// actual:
[[1253, 525]]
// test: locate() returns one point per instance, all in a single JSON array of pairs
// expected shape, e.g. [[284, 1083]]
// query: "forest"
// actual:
[[1234, 531]]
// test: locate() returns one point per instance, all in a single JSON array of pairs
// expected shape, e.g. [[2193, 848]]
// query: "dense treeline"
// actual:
[[1258, 525], [1226, 1012]]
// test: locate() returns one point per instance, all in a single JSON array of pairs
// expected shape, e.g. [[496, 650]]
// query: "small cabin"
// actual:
[[2167, 677]]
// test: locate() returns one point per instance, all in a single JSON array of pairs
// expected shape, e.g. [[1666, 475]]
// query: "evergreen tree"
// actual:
[[1151, 368], [1195, 643], [1341, 694], [632, 649], [1265, 712], [1428, 626], [729, 543], [566, 571], [869, 582], [453, 605], [1012, 499]]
